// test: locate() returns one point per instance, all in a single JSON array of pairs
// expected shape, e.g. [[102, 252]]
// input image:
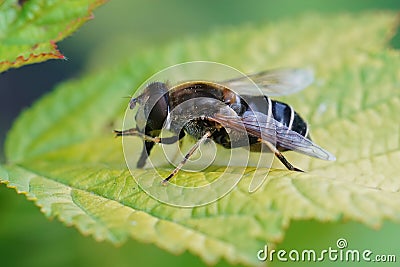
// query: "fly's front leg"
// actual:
[[148, 138], [135, 132], [279, 155], [148, 144]]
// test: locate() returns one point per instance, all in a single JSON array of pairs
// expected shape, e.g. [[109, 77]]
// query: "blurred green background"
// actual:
[[27, 238]]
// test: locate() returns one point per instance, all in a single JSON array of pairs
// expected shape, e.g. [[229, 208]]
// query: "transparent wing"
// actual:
[[262, 126], [276, 82]]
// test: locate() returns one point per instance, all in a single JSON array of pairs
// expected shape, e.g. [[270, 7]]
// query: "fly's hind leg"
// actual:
[[279, 155]]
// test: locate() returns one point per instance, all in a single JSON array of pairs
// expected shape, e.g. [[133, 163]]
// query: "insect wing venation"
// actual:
[[276, 82], [267, 128]]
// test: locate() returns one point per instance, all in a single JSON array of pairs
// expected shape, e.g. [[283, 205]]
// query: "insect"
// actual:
[[253, 120]]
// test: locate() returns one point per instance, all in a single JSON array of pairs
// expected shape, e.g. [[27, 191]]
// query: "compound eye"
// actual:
[[153, 106], [156, 111]]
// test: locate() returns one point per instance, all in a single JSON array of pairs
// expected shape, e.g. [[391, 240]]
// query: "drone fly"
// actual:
[[257, 120]]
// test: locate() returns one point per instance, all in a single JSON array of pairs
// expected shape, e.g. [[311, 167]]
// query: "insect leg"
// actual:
[[187, 156], [135, 132], [148, 144], [279, 155]]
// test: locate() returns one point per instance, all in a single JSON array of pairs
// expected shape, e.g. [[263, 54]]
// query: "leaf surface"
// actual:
[[29, 30], [61, 153]]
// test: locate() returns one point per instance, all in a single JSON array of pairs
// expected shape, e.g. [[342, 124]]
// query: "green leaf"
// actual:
[[62, 155], [29, 30]]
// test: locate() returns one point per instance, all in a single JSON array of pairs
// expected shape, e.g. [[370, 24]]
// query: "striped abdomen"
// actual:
[[286, 115]]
